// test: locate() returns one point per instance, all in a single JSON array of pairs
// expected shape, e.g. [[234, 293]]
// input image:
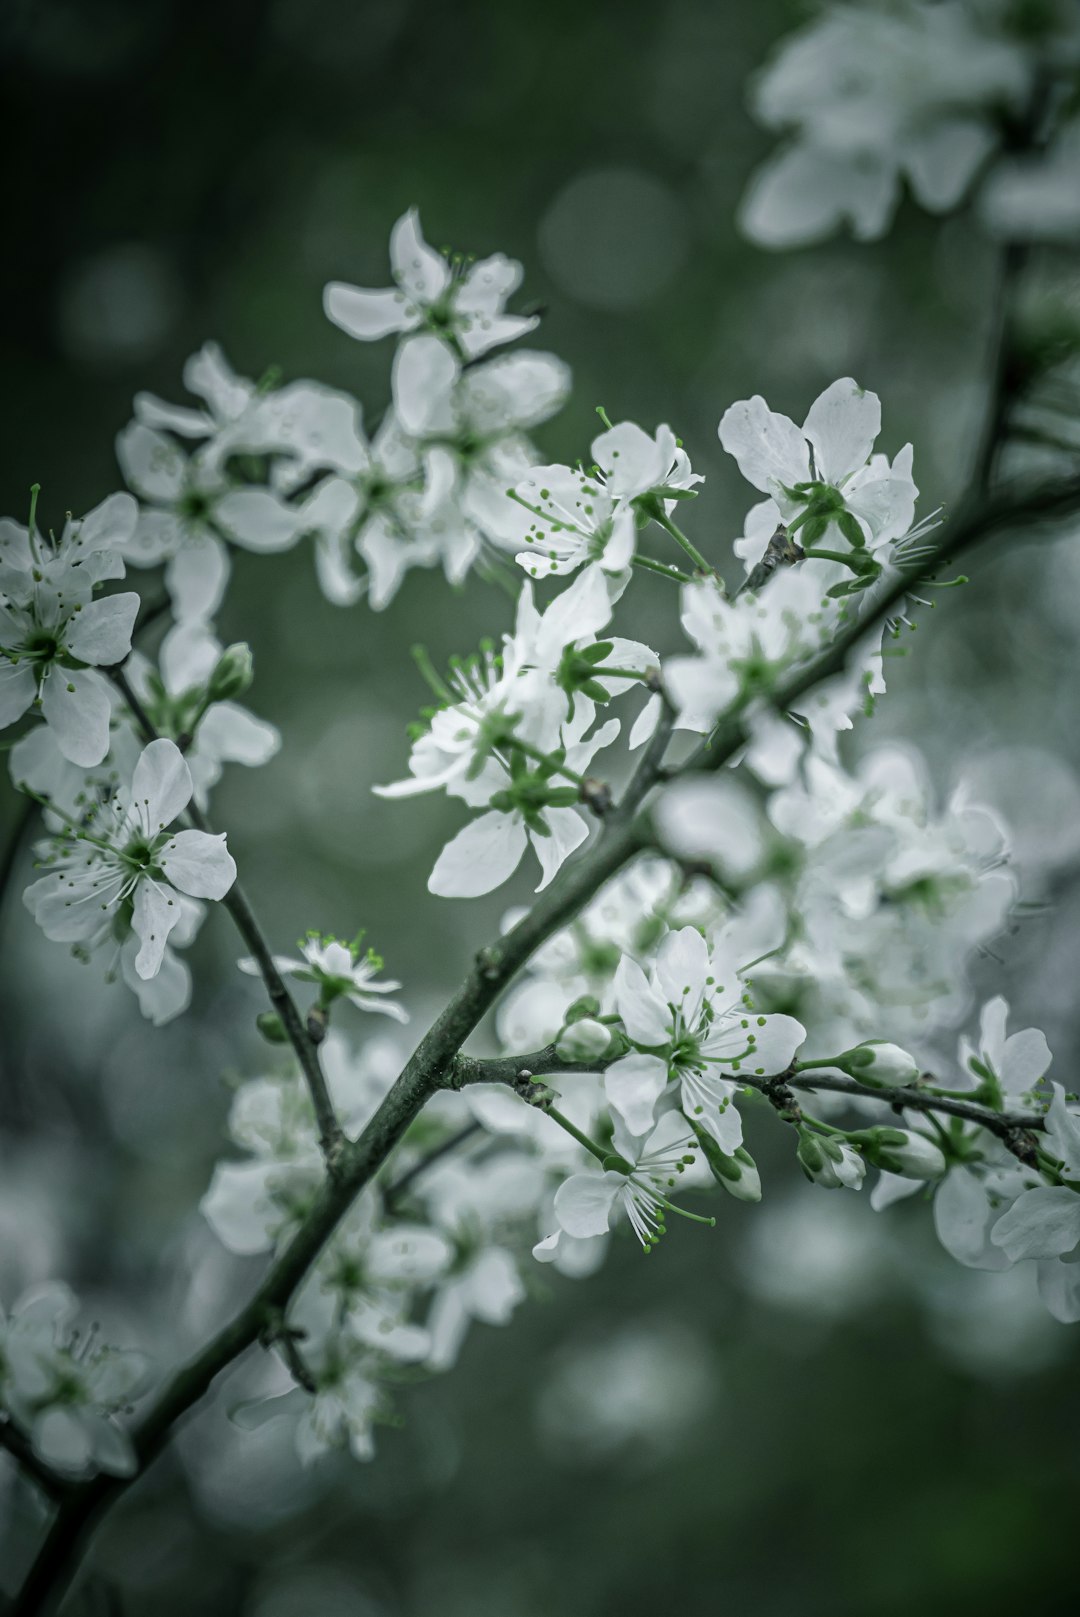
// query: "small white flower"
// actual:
[[339, 970], [462, 304], [826, 483], [695, 1031], [637, 1183], [65, 1388], [123, 870]]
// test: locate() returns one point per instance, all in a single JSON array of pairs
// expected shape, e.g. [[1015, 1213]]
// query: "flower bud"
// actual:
[[876, 1062], [271, 1027], [583, 1040], [232, 673], [830, 1162], [737, 1173], [902, 1151]]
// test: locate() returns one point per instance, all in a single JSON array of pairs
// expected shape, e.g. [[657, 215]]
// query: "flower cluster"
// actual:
[[929, 94], [789, 936]]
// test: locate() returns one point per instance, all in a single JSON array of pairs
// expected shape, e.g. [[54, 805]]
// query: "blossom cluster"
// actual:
[[788, 936], [945, 98]]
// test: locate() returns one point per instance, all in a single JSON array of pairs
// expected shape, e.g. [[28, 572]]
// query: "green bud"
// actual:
[[901, 1151], [271, 1027], [877, 1062], [233, 673], [583, 1040], [587, 1005], [737, 1173]]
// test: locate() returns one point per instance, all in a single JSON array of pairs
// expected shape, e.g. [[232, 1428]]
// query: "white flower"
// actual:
[[462, 304], [54, 635], [693, 1027], [567, 518], [826, 483], [216, 733], [635, 1185], [872, 95], [477, 1204], [88, 550], [125, 871], [254, 1204], [340, 970], [528, 806], [1044, 1222], [746, 644], [65, 1388], [191, 507], [1007, 1068]]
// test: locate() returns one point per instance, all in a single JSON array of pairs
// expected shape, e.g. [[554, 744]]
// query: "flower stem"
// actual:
[[680, 538], [662, 568]]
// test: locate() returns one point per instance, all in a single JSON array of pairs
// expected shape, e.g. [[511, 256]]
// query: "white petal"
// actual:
[[769, 448], [257, 520], [682, 965], [1024, 1059], [76, 706], [198, 864], [421, 272], [101, 632], [633, 1086], [153, 466], [803, 195], [161, 785], [842, 425], [368, 315], [583, 1203], [645, 1016], [18, 688], [156, 912], [1041, 1223], [480, 858], [962, 1218], [196, 577], [567, 831], [423, 378]]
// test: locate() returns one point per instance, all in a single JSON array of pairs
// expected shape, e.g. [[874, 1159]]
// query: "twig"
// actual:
[[331, 1138]]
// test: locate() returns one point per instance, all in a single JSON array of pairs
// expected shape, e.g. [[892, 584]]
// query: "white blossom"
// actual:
[[460, 302], [124, 871], [65, 1387], [694, 1029], [339, 970]]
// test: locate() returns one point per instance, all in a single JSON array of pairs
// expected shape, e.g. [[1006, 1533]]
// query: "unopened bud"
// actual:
[[232, 674], [587, 1005], [737, 1173], [876, 1062], [583, 1040], [830, 1162], [271, 1027], [902, 1151]]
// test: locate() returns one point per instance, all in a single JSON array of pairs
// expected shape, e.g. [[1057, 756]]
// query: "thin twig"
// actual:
[[331, 1137]]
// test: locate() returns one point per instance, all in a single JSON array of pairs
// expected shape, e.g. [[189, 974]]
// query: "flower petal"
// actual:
[[161, 785], [101, 632], [633, 1086], [483, 855], [198, 864]]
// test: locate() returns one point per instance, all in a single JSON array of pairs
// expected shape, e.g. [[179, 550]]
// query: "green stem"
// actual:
[[662, 568], [662, 520], [546, 760], [576, 1134]]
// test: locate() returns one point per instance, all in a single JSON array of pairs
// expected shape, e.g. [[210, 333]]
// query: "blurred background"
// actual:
[[810, 1411]]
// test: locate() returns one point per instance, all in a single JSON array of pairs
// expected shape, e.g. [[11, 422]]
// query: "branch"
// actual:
[[493, 968], [1008, 1126], [975, 520], [331, 1138]]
